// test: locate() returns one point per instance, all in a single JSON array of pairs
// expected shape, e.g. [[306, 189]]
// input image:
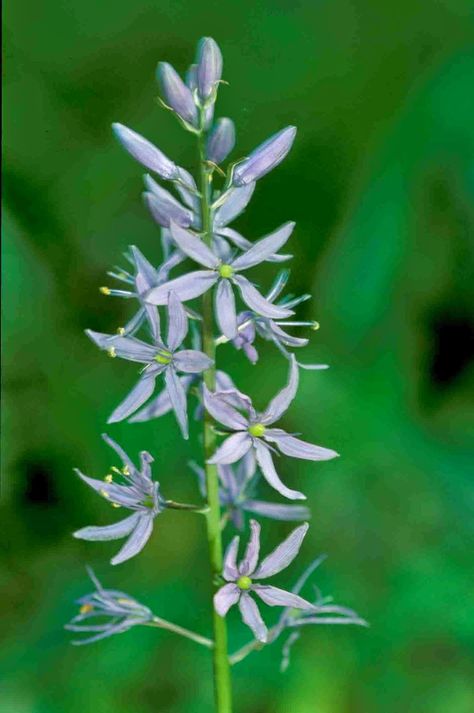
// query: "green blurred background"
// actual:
[[381, 185]]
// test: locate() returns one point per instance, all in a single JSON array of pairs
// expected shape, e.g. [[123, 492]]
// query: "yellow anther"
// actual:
[[315, 326], [109, 478], [115, 505], [130, 602], [104, 290], [111, 352], [86, 608], [125, 470], [104, 493], [116, 470], [121, 331]]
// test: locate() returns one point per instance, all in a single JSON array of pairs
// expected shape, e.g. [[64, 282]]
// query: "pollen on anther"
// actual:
[[115, 505], [104, 290], [126, 470], [111, 352], [86, 608], [315, 326], [104, 493], [109, 478], [121, 331]]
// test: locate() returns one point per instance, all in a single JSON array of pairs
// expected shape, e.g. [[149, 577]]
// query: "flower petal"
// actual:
[[263, 248], [193, 246], [144, 266], [109, 532], [250, 558], [226, 597], [137, 396], [161, 404], [235, 203], [137, 540], [120, 452], [186, 287], [296, 448], [209, 66], [164, 207], [124, 347], [257, 302], [265, 157], [221, 140], [283, 399], [282, 555], [223, 412], [225, 308], [230, 569], [265, 462], [191, 361], [145, 152], [277, 511], [233, 448], [177, 95], [177, 322], [251, 616], [178, 399], [275, 597]]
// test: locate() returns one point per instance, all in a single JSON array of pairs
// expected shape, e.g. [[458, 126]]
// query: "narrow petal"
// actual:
[[251, 617], [186, 287], [164, 209], [230, 570], [288, 339], [275, 597], [178, 399], [226, 597], [160, 405], [119, 451], [225, 308], [109, 532], [221, 140], [276, 511], [250, 558], [265, 157], [236, 202], [223, 412], [137, 540], [265, 462], [257, 302], [177, 322], [283, 399], [136, 398], [144, 266], [296, 448], [282, 555], [124, 347], [177, 95], [193, 246], [261, 250], [191, 361], [233, 448], [145, 152]]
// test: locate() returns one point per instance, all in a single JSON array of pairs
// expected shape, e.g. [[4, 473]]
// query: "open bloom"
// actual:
[[159, 358], [236, 494], [224, 276], [138, 492], [106, 612], [253, 431], [243, 579]]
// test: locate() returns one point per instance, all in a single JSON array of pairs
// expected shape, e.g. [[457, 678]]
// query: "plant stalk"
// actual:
[[222, 682]]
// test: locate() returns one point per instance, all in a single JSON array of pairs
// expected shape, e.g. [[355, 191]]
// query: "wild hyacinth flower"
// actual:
[[106, 612], [251, 431], [145, 152], [177, 95], [243, 578], [221, 141], [159, 358], [209, 69], [236, 492], [164, 207], [137, 492], [224, 276], [264, 158]]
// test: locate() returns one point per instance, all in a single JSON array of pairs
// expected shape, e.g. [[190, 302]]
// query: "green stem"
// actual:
[[163, 624], [222, 682]]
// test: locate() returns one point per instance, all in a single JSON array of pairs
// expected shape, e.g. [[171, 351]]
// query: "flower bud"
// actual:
[[221, 141], [209, 69], [164, 207], [145, 152], [177, 95], [264, 157]]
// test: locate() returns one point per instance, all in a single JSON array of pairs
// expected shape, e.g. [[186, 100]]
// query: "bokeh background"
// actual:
[[381, 184]]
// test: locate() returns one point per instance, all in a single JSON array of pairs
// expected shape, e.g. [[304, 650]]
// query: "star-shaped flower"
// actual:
[[224, 276], [243, 579], [137, 492], [159, 358], [253, 431]]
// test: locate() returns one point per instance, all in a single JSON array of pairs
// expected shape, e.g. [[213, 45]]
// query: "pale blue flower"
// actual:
[[264, 158], [177, 94], [220, 141], [209, 68]]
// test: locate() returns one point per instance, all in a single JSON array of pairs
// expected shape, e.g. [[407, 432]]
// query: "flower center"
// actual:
[[257, 430], [86, 608], [226, 271], [163, 357], [244, 583]]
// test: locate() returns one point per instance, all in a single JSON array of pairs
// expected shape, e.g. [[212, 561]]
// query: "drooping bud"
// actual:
[[177, 95], [264, 157], [209, 69], [164, 207], [145, 152], [221, 140]]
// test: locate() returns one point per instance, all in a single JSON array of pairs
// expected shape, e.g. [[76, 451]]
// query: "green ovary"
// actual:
[[226, 271], [244, 583], [163, 357], [257, 430]]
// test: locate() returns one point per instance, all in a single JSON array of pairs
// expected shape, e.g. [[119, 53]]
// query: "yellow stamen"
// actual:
[[109, 478], [121, 331], [104, 493], [115, 505], [116, 470], [125, 470], [315, 326], [104, 290], [111, 352], [86, 608]]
